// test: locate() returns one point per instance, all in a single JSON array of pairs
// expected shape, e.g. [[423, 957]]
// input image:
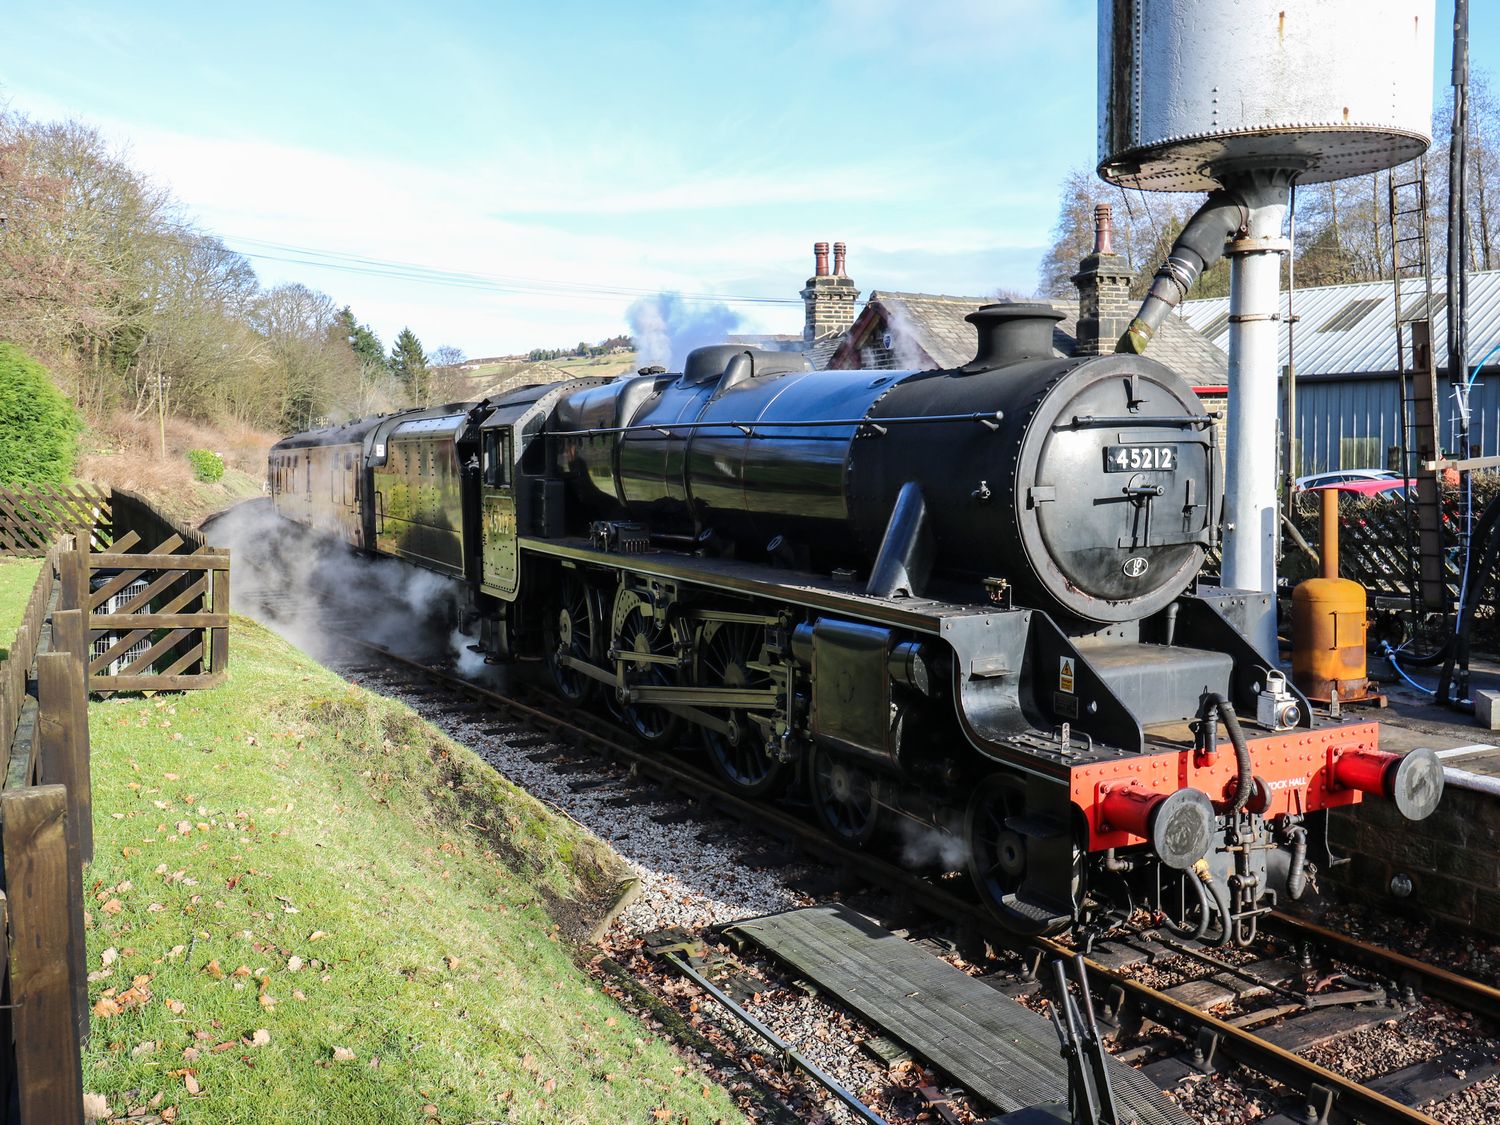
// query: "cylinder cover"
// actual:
[[1191, 93]]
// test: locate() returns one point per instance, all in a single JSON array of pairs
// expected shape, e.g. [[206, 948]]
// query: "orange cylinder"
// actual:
[[1329, 622]]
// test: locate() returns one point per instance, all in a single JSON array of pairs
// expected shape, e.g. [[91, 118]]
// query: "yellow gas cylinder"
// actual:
[[1328, 624]]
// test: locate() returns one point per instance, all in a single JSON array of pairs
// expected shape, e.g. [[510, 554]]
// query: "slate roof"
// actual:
[[935, 325], [1351, 329]]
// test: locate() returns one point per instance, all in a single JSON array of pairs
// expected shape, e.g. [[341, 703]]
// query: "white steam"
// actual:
[[924, 846], [906, 353], [466, 662], [311, 588], [665, 327]]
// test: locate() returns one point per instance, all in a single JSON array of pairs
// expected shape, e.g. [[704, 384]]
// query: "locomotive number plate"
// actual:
[[1135, 458]]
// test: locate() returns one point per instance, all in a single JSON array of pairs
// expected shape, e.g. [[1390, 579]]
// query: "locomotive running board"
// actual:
[[996, 1048], [813, 591]]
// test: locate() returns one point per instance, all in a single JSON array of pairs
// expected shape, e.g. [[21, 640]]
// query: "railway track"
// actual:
[[1207, 1040]]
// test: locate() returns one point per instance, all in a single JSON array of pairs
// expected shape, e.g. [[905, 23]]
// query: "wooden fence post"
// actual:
[[73, 573], [49, 1072], [70, 639], [219, 638], [62, 760]]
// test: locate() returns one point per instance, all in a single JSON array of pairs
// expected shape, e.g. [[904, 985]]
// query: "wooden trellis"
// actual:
[[34, 516]]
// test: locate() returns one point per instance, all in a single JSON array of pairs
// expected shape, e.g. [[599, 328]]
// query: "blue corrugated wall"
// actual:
[[1337, 420]]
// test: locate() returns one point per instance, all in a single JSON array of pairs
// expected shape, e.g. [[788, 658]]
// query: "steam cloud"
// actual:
[[308, 586], [666, 327], [905, 351], [923, 846]]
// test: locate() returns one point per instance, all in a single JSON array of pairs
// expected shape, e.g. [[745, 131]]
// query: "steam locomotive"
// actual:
[[966, 599]]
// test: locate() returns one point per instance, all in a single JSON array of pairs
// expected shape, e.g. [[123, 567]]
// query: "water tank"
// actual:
[[1190, 92]]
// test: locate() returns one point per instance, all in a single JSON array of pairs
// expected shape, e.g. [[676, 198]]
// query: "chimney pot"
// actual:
[[820, 257], [1104, 229], [838, 259]]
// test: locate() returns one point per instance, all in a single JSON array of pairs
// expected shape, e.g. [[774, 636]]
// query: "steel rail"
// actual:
[[1346, 1100], [1444, 983], [784, 1050]]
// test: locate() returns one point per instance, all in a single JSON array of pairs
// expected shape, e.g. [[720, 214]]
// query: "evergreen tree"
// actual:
[[39, 423], [362, 338], [409, 366]]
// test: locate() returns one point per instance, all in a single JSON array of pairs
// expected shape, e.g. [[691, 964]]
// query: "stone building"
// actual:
[[913, 331]]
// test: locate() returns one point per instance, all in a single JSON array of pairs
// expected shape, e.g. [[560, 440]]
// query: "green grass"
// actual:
[[17, 577], [603, 365], [308, 905]]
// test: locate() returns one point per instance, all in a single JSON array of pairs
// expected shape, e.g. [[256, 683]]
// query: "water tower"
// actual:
[[1242, 100]]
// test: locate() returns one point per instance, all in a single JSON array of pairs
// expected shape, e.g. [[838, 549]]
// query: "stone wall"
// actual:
[[1452, 858], [830, 304]]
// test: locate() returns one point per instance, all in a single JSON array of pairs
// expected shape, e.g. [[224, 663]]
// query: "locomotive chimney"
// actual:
[[820, 256], [838, 259], [1103, 281], [1012, 332]]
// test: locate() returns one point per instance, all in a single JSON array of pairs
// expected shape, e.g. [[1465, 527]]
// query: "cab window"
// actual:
[[497, 466]]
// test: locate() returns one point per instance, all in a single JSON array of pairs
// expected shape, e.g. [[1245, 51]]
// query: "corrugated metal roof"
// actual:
[[1337, 336]]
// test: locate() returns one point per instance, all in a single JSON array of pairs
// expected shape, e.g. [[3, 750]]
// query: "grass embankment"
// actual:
[[17, 577], [308, 905]]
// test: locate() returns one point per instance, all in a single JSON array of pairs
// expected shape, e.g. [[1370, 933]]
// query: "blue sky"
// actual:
[[699, 147]]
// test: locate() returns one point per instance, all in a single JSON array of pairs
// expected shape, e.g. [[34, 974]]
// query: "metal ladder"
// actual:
[[1411, 273]]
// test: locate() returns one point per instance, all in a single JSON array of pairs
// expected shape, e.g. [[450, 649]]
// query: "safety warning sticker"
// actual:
[[1065, 673]]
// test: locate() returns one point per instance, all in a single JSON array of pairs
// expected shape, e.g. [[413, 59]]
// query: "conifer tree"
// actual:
[[409, 366]]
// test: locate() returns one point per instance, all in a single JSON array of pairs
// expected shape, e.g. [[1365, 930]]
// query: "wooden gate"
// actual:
[[34, 516], [158, 618]]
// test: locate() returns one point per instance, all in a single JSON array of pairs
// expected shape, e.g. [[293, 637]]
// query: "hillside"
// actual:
[[308, 905]]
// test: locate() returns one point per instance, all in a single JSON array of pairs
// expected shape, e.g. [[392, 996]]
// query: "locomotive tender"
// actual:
[[965, 598]]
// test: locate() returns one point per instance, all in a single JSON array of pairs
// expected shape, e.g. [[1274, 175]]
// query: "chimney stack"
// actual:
[[827, 298], [1104, 229], [1103, 281]]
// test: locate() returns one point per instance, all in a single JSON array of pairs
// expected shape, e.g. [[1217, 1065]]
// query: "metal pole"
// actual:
[[1250, 510]]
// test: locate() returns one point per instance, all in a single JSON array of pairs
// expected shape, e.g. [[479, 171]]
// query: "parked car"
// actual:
[[1393, 486], [1345, 476]]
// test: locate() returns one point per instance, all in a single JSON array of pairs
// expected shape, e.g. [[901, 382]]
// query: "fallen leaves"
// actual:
[[343, 1054], [259, 1038]]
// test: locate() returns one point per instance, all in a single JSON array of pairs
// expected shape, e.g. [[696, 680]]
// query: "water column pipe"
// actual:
[[1251, 519], [1250, 211]]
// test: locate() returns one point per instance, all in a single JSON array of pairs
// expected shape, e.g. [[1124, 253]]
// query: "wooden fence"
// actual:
[[46, 836], [126, 601], [34, 516]]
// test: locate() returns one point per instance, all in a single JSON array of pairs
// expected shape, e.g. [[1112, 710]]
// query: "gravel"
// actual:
[[699, 883], [695, 884]]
